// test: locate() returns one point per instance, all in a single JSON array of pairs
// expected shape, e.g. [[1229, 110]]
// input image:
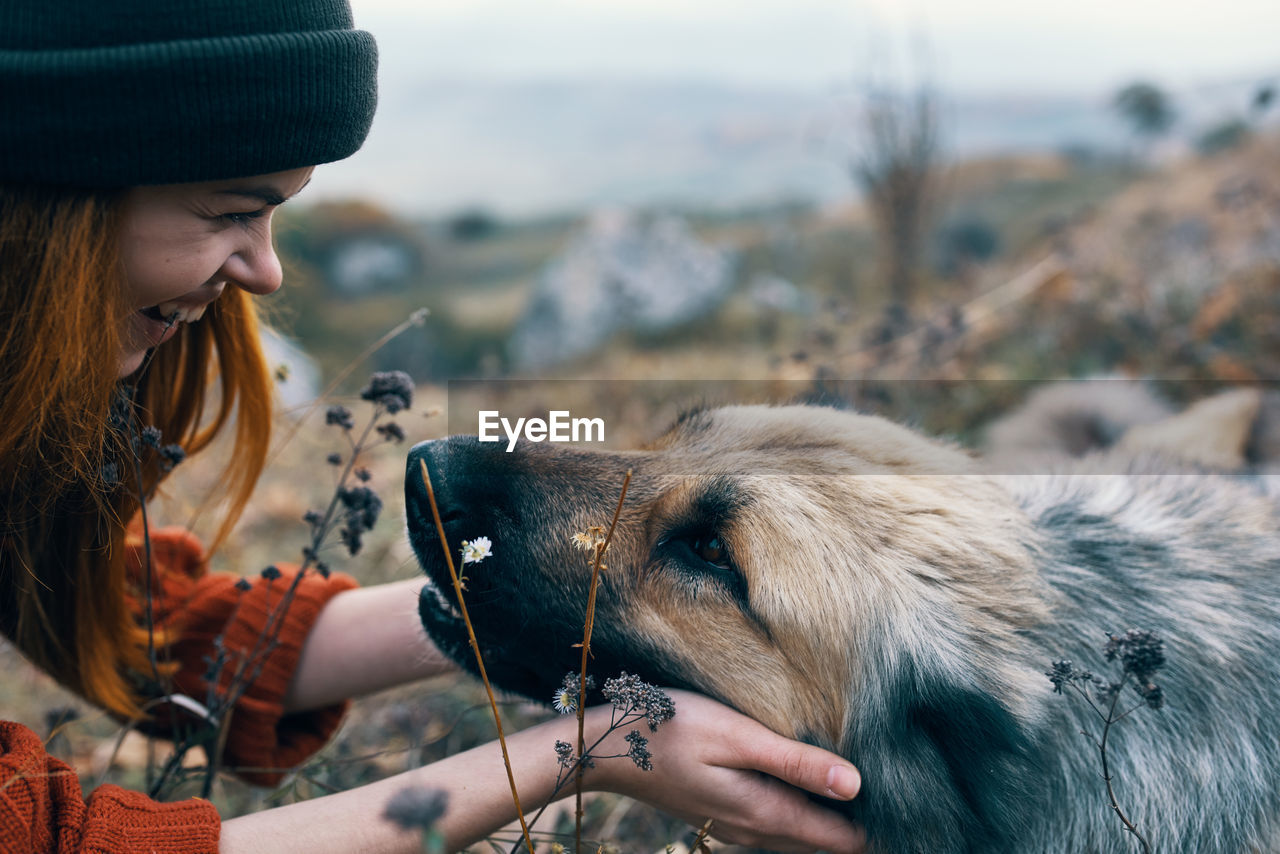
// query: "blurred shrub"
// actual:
[[1263, 97], [1224, 136], [1146, 108], [963, 243], [356, 248], [897, 169], [473, 224]]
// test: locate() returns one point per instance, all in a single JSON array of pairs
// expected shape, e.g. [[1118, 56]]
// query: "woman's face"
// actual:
[[183, 244]]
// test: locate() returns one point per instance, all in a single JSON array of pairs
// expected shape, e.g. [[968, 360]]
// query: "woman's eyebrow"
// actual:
[[267, 195]]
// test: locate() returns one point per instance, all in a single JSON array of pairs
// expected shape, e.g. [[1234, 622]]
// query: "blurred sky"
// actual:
[[979, 46], [529, 106]]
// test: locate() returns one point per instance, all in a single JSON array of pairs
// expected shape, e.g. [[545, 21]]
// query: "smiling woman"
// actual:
[[182, 244], [142, 155]]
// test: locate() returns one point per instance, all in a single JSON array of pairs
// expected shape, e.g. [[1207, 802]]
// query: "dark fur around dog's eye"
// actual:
[[701, 555], [697, 546], [693, 543]]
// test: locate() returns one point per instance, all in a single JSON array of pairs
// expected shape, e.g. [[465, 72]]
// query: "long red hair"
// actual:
[[68, 487]]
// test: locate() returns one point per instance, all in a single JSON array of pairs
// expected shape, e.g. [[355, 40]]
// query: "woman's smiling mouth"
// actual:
[[156, 324]]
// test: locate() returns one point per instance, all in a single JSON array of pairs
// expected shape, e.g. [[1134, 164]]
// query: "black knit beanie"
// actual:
[[126, 92]]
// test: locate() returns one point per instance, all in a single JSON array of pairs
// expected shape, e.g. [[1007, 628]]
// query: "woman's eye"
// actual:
[[241, 217]]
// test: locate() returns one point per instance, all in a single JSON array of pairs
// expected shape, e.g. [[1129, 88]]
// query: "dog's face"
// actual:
[[786, 561], [846, 581]]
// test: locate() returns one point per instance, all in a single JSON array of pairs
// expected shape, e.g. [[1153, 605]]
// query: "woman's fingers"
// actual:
[[782, 818], [713, 762], [804, 766]]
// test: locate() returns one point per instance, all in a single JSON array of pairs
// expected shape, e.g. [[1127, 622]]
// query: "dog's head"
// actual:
[[789, 561]]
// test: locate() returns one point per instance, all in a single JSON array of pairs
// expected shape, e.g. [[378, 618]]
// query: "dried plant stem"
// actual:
[[475, 647], [588, 624], [1106, 775], [590, 753], [701, 838], [1108, 718], [268, 640], [417, 318], [250, 667]]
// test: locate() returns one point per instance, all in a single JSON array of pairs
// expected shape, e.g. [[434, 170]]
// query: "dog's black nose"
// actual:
[[436, 456], [472, 494], [466, 477]]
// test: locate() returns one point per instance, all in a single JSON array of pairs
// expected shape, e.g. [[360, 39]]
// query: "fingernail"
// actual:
[[843, 782]]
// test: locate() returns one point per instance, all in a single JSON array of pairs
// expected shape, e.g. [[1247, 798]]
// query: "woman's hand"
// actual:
[[708, 762], [712, 762]]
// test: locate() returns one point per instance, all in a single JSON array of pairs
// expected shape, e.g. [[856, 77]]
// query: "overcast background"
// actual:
[[530, 107]]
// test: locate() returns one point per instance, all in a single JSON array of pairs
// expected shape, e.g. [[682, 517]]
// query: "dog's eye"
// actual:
[[712, 550], [704, 546], [701, 557]]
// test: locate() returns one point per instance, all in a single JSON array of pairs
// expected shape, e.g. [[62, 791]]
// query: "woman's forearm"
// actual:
[[479, 802], [363, 641]]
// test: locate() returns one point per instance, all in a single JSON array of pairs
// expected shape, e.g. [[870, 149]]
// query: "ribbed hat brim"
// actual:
[[210, 109]]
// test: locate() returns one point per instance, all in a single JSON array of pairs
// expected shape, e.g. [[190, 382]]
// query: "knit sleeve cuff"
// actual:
[[232, 631], [263, 743], [119, 821]]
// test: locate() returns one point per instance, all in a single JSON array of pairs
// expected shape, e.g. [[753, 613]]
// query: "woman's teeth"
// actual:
[[169, 313]]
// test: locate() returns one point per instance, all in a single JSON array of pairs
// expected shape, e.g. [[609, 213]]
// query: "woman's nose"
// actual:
[[256, 269]]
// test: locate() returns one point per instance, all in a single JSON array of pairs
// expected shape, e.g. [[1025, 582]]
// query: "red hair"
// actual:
[[68, 482]]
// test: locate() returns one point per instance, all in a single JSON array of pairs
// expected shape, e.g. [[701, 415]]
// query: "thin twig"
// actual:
[[615, 723], [588, 626], [416, 318], [475, 647], [1106, 772], [700, 839], [252, 663]]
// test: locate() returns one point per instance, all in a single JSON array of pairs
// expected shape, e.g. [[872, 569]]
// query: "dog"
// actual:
[[852, 583]]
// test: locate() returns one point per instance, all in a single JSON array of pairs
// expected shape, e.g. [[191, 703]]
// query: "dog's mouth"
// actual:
[[504, 663], [511, 639], [443, 622]]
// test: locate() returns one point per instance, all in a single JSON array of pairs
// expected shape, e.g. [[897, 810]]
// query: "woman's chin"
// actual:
[[130, 362], [140, 335]]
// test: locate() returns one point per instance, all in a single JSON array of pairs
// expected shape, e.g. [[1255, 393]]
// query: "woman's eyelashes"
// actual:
[[242, 217]]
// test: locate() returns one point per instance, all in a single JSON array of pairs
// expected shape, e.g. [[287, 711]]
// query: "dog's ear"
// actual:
[[1073, 418], [1264, 443], [1214, 432]]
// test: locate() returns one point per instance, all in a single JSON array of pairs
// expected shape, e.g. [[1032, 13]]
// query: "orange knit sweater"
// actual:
[[41, 805]]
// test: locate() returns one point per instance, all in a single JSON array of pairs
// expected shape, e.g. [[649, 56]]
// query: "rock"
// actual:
[[624, 272]]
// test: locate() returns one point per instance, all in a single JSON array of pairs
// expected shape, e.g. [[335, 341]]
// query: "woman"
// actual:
[[142, 156]]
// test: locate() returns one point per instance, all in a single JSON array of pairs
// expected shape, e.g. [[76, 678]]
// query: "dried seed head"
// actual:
[[417, 807], [392, 390], [339, 415], [391, 431]]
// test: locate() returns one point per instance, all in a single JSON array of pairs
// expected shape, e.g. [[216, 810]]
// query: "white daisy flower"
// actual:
[[474, 551], [565, 700]]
